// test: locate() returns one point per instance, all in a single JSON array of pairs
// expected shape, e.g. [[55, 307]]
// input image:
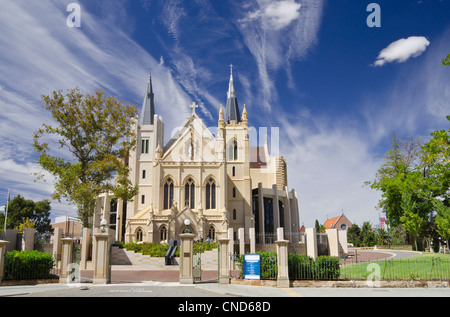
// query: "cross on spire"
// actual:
[[193, 106], [231, 68]]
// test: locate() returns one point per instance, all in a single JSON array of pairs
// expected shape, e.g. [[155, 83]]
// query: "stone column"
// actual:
[[282, 261], [66, 259], [311, 242], [251, 233], [186, 258], [57, 236], [3, 245], [28, 239], [231, 238], [85, 243], [224, 273], [241, 237], [333, 242], [101, 259]]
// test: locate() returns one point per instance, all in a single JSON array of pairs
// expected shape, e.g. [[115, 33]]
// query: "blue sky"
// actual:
[[335, 88]]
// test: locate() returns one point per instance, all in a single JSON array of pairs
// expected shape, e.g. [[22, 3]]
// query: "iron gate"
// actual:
[[197, 264]]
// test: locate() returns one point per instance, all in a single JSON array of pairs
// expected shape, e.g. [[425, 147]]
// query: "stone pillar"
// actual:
[[343, 241], [280, 234], [28, 239], [262, 232], [3, 245], [66, 259], [10, 235], [311, 242], [251, 233], [186, 258], [231, 238], [241, 237], [282, 261], [333, 242], [57, 246], [224, 273], [101, 259], [85, 243]]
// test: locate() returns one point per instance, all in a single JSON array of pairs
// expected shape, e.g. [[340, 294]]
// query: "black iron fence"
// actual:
[[26, 265], [302, 267]]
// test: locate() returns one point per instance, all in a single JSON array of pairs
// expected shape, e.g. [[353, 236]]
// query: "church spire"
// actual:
[[148, 107], [232, 109]]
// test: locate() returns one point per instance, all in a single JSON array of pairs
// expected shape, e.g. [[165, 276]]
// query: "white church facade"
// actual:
[[217, 182]]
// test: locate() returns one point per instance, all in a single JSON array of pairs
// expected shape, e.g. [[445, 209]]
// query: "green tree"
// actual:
[[405, 183], [97, 133], [443, 219], [20, 209], [319, 228], [354, 235], [446, 61], [382, 237], [368, 237], [26, 224]]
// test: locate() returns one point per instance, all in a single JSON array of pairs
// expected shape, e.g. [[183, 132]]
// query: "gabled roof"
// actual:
[[258, 157], [330, 223], [199, 128]]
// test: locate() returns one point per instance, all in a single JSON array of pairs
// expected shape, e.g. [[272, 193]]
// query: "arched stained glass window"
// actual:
[[211, 194], [189, 194], [168, 193]]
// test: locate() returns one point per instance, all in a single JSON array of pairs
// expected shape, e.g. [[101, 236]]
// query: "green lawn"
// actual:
[[428, 266]]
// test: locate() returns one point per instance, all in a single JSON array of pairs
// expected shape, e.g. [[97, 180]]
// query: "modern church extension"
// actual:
[[220, 183]]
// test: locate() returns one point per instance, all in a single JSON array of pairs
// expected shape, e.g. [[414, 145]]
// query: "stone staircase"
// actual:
[[124, 259]]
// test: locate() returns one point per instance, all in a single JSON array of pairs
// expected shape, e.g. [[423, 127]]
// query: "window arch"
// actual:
[[234, 214], [210, 189], [233, 150], [139, 235], [189, 193], [163, 233], [212, 233], [168, 193]]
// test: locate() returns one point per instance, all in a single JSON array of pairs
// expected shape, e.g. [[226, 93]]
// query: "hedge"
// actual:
[[23, 265], [300, 267], [159, 250]]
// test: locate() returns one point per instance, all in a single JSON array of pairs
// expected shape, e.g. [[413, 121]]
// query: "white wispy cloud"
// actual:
[[416, 99], [402, 50], [328, 162], [277, 33], [40, 53], [275, 15]]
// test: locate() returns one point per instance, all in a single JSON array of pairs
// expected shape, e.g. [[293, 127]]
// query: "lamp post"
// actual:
[[187, 223], [103, 224]]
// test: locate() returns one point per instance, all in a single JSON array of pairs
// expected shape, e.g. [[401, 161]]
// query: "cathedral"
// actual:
[[219, 183]]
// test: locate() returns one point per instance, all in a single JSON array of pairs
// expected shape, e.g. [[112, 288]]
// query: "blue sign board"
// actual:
[[252, 266]]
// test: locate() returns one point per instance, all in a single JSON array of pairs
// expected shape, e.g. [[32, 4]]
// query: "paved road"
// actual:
[[206, 290], [150, 284], [364, 255]]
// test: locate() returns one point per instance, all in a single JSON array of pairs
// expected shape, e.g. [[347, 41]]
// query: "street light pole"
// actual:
[[6, 210]]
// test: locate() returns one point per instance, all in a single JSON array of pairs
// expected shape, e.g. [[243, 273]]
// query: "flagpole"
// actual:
[[6, 214]]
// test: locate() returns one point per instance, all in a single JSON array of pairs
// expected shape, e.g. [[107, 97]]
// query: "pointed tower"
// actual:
[[148, 107], [148, 152], [232, 109]]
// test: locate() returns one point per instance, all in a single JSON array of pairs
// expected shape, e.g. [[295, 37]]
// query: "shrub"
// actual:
[[22, 265], [269, 265], [326, 268], [300, 266]]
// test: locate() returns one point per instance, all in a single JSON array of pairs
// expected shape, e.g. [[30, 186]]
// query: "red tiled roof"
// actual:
[[257, 157], [330, 223]]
